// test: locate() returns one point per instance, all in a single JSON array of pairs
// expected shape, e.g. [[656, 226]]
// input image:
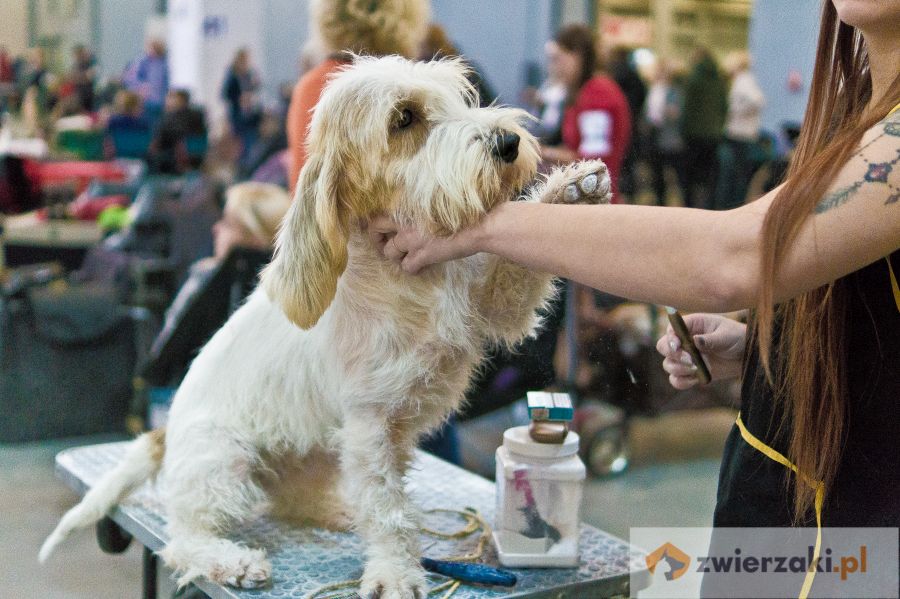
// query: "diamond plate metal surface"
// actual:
[[304, 559]]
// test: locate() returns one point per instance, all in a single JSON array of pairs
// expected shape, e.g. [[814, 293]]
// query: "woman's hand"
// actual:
[[720, 340], [413, 249]]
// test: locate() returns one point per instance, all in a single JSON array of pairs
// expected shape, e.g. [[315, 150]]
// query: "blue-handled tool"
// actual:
[[477, 573]]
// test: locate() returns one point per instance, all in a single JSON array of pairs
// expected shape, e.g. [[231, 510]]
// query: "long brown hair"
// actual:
[[579, 39], [808, 355]]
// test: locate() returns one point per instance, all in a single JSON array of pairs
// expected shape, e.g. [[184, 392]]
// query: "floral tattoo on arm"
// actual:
[[876, 172]]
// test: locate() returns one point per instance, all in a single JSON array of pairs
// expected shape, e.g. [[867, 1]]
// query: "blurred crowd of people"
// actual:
[[699, 126], [669, 135], [137, 114]]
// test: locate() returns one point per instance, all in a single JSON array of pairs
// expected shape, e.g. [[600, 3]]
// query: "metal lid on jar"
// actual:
[[517, 440]]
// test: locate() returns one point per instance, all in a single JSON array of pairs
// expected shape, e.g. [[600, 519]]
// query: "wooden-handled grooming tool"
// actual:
[[687, 343]]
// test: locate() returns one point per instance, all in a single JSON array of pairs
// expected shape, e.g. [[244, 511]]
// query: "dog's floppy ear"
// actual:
[[311, 249]]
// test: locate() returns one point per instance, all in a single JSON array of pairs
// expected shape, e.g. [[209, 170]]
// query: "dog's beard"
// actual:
[[514, 187]]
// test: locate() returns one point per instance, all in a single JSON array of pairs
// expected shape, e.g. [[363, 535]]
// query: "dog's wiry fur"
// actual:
[[320, 386]]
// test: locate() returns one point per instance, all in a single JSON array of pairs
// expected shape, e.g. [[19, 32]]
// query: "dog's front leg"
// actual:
[[509, 301], [511, 293], [375, 455]]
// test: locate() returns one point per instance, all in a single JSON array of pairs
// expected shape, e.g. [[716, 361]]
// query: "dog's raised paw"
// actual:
[[584, 182]]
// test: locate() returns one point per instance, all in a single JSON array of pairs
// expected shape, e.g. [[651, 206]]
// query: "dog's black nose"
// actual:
[[506, 146]]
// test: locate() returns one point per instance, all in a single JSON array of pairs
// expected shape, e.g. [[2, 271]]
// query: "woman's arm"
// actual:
[[694, 259]]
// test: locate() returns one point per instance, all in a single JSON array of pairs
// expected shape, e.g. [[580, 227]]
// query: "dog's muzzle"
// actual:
[[506, 146]]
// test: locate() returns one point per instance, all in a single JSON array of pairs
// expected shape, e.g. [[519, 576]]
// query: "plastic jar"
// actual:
[[539, 490]]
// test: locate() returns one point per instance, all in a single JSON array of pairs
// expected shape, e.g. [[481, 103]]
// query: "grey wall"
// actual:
[[501, 36], [14, 26], [286, 29], [121, 32], [783, 37]]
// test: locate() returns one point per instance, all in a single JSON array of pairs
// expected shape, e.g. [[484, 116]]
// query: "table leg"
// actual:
[[151, 566], [111, 537]]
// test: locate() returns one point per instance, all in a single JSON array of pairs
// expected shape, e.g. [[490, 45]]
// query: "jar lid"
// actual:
[[517, 440]]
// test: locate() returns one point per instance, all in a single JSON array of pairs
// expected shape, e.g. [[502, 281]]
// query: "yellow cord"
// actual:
[[894, 287], [335, 586], [774, 455], [453, 586]]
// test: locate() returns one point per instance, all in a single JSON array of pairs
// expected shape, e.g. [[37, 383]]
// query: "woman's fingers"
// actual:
[[423, 250], [381, 229], [392, 252], [413, 263], [393, 242], [668, 343], [681, 382], [679, 367]]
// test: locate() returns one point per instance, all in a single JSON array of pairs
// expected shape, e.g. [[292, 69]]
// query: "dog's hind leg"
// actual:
[[304, 489], [209, 486], [376, 453]]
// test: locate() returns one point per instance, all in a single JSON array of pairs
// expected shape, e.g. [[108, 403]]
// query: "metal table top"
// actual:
[[304, 559]]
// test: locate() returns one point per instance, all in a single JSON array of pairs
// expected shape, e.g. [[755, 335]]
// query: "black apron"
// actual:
[[756, 481]]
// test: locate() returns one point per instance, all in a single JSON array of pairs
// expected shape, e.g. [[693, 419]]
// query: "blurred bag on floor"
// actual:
[[67, 356], [20, 190]]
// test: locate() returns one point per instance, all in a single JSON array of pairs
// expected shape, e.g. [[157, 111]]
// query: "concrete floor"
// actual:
[[31, 502], [671, 481]]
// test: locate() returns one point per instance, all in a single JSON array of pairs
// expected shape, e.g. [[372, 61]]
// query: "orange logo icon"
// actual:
[[678, 560]]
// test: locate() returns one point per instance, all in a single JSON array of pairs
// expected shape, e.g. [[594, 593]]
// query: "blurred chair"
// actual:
[[208, 309], [67, 356], [196, 146], [83, 145], [130, 143]]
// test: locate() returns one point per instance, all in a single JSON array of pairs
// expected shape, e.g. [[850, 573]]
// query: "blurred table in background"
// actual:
[[27, 239]]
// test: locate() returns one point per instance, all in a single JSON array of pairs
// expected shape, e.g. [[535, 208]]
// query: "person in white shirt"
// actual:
[[662, 113], [742, 123]]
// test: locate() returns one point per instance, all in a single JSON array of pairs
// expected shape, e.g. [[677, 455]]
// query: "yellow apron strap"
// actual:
[[894, 286], [770, 453], [894, 109]]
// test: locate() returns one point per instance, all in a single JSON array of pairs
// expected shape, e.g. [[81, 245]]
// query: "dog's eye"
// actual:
[[406, 119]]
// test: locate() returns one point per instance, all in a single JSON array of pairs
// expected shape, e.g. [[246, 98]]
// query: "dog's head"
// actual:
[[395, 136]]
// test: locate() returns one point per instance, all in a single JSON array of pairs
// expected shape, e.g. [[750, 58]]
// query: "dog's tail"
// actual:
[[142, 461]]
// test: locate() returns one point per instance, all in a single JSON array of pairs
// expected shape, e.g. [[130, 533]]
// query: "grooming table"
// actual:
[[304, 559]]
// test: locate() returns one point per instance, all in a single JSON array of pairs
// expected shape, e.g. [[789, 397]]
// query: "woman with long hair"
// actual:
[[815, 260], [596, 121]]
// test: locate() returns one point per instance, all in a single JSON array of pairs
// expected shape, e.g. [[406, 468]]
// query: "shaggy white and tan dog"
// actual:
[[319, 387]]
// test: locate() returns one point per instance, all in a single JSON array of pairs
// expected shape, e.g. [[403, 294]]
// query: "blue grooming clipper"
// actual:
[[477, 573]]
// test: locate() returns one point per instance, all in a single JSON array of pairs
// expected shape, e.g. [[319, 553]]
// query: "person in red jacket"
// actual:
[[597, 121], [6, 66]]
